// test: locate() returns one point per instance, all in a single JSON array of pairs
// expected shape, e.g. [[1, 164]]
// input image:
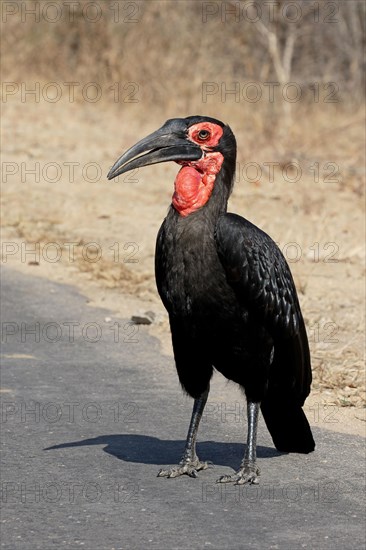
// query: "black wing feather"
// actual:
[[261, 278]]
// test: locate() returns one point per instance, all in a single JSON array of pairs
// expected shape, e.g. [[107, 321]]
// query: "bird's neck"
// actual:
[[195, 183]]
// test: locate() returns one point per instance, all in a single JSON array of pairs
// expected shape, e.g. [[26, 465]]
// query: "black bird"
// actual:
[[229, 292]]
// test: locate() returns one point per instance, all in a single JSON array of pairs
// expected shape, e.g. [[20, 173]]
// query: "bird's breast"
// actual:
[[190, 277]]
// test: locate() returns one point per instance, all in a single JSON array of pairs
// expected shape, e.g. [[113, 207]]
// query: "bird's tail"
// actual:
[[288, 425], [288, 387]]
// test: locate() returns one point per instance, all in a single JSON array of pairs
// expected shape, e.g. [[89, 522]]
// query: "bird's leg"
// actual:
[[190, 463], [248, 471]]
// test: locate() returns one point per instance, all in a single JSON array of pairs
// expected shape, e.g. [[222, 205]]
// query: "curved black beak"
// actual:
[[167, 143]]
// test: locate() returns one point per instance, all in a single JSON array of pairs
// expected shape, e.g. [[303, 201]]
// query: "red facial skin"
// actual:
[[195, 181]]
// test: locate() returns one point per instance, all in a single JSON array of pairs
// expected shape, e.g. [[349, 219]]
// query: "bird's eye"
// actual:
[[203, 135]]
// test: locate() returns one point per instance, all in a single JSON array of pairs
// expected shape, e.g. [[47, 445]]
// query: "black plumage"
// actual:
[[230, 295]]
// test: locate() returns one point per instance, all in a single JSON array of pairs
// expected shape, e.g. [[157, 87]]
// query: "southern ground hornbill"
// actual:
[[229, 292]]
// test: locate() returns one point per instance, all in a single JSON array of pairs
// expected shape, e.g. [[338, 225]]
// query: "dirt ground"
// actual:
[[55, 192]]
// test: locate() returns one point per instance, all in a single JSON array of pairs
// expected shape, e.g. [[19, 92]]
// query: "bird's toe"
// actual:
[[249, 477], [248, 474], [190, 469]]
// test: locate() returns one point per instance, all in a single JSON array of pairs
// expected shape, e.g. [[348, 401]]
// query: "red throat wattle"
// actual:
[[194, 183]]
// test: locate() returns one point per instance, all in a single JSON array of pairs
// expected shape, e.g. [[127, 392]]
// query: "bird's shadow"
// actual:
[[145, 449]]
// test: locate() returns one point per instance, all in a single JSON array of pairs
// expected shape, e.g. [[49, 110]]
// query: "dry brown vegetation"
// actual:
[[168, 59]]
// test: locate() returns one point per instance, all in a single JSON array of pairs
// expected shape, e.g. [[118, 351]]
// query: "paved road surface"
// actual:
[[91, 410]]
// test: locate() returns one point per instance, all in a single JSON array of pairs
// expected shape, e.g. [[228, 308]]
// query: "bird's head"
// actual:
[[206, 149]]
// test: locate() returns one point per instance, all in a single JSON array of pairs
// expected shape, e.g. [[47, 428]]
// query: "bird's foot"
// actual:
[[188, 467], [249, 473]]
